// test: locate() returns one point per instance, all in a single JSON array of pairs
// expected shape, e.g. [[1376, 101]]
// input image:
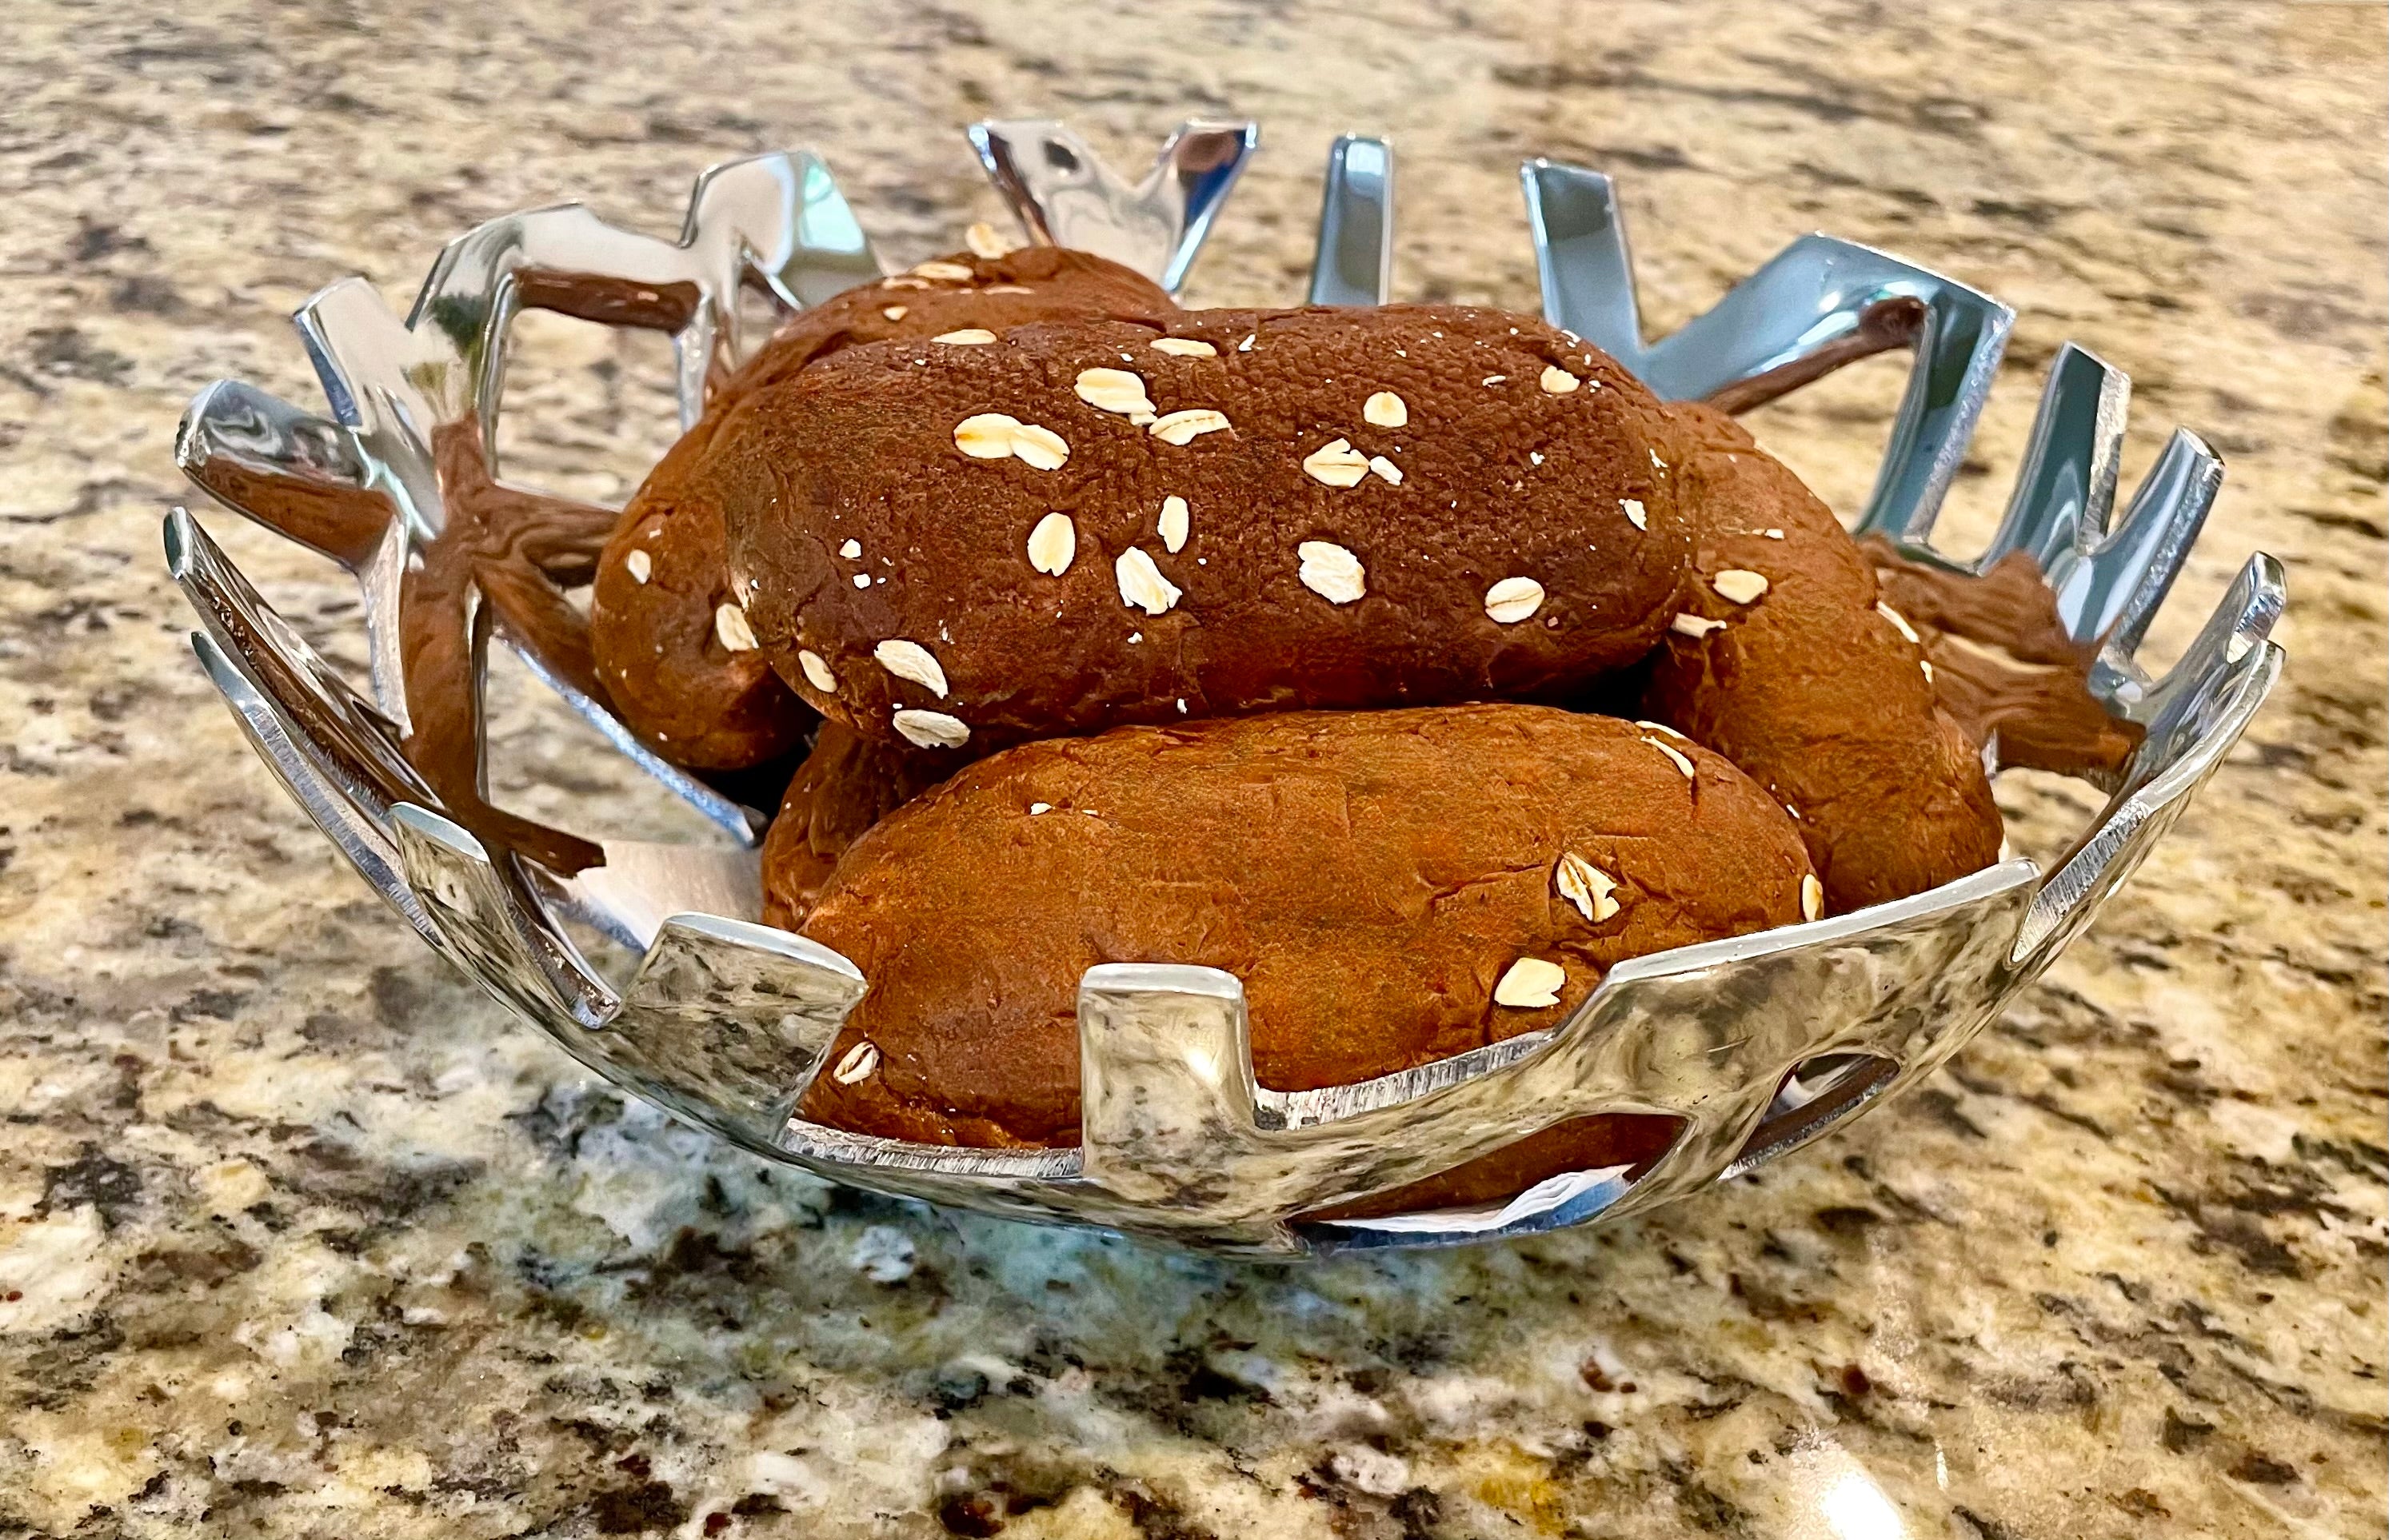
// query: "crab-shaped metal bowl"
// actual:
[[1755, 1044]]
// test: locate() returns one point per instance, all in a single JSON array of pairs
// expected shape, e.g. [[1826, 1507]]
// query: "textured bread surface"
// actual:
[[653, 627], [1371, 878], [1811, 685], [1516, 535], [847, 784]]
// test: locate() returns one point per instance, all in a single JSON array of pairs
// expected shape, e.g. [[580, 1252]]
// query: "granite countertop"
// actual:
[[299, 1235]]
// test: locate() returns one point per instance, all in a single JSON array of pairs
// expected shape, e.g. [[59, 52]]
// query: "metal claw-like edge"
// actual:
[[1752, 1046], [1814, 306], [1064, 195], [1354, 264], [776, 222]]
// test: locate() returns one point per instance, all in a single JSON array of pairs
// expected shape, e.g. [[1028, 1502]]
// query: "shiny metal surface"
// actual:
[[2068, 485], [1064, 195], [1818, 303], [1756, 1044], [776, 222], [1355, 261]]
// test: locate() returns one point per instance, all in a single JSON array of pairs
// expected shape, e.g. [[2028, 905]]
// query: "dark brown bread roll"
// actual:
[[1088, 523], [845, 785], [2004, 665], [1384, 883], [683, 671], [671, 650], [1785, 661]]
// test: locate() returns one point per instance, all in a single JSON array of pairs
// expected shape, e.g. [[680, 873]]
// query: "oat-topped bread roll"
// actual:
[[1391, 887], [683, 672], [1785, 660], [847, 784], [1075, 525]]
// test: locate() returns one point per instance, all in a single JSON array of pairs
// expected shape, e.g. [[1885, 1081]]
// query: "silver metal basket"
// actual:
[[725, 1021]]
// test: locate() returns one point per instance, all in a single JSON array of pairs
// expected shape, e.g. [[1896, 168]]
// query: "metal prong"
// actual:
[[367, 363], [392, 385], [1817, 303], [1965, 332], [1813, 298], [782, 217], [2110, 593], [239, 442], [370, 367], [352, 742], [1354, 263], [1064, 195], [491, 923], [643, 882], [2066, 488], [2193, 715], [2241, 622], [727, 1021], [1165, 1086], [1588, 276], [348, 825]]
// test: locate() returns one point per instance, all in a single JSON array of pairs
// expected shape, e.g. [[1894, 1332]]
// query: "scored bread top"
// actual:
[[1073, 524]]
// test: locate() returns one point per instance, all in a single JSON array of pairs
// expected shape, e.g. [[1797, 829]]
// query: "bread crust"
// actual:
[[1371, 878], [1326, 559], [659, 647], [1813, 687]]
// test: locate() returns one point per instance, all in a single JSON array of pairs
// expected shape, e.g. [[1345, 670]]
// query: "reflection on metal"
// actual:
[[1355, 261], [1817, 304], [1064, 195], [1755, 1044], [374, 486]]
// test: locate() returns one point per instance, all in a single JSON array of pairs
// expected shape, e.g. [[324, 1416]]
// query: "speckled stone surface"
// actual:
[[299, 1236]]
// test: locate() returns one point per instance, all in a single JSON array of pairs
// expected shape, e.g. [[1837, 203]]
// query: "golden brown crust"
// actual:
[[845, 785], [2004, 665], [1260, 607], [1369, 876], [1810, 687], [695, 700]]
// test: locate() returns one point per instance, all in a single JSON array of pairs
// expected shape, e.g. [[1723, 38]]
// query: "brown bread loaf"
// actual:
[[1086, 522], [683, 673], [1372, 878], [1785, 660], [847, 784]]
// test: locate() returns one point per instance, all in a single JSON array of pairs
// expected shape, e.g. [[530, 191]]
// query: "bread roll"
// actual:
[[1784, 659], [1391, 887], [1087, 523], [683, 674]]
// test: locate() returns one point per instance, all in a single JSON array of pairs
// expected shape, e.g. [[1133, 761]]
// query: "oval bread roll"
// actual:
[[655, 619], [1391, 887], [1082, 524]]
